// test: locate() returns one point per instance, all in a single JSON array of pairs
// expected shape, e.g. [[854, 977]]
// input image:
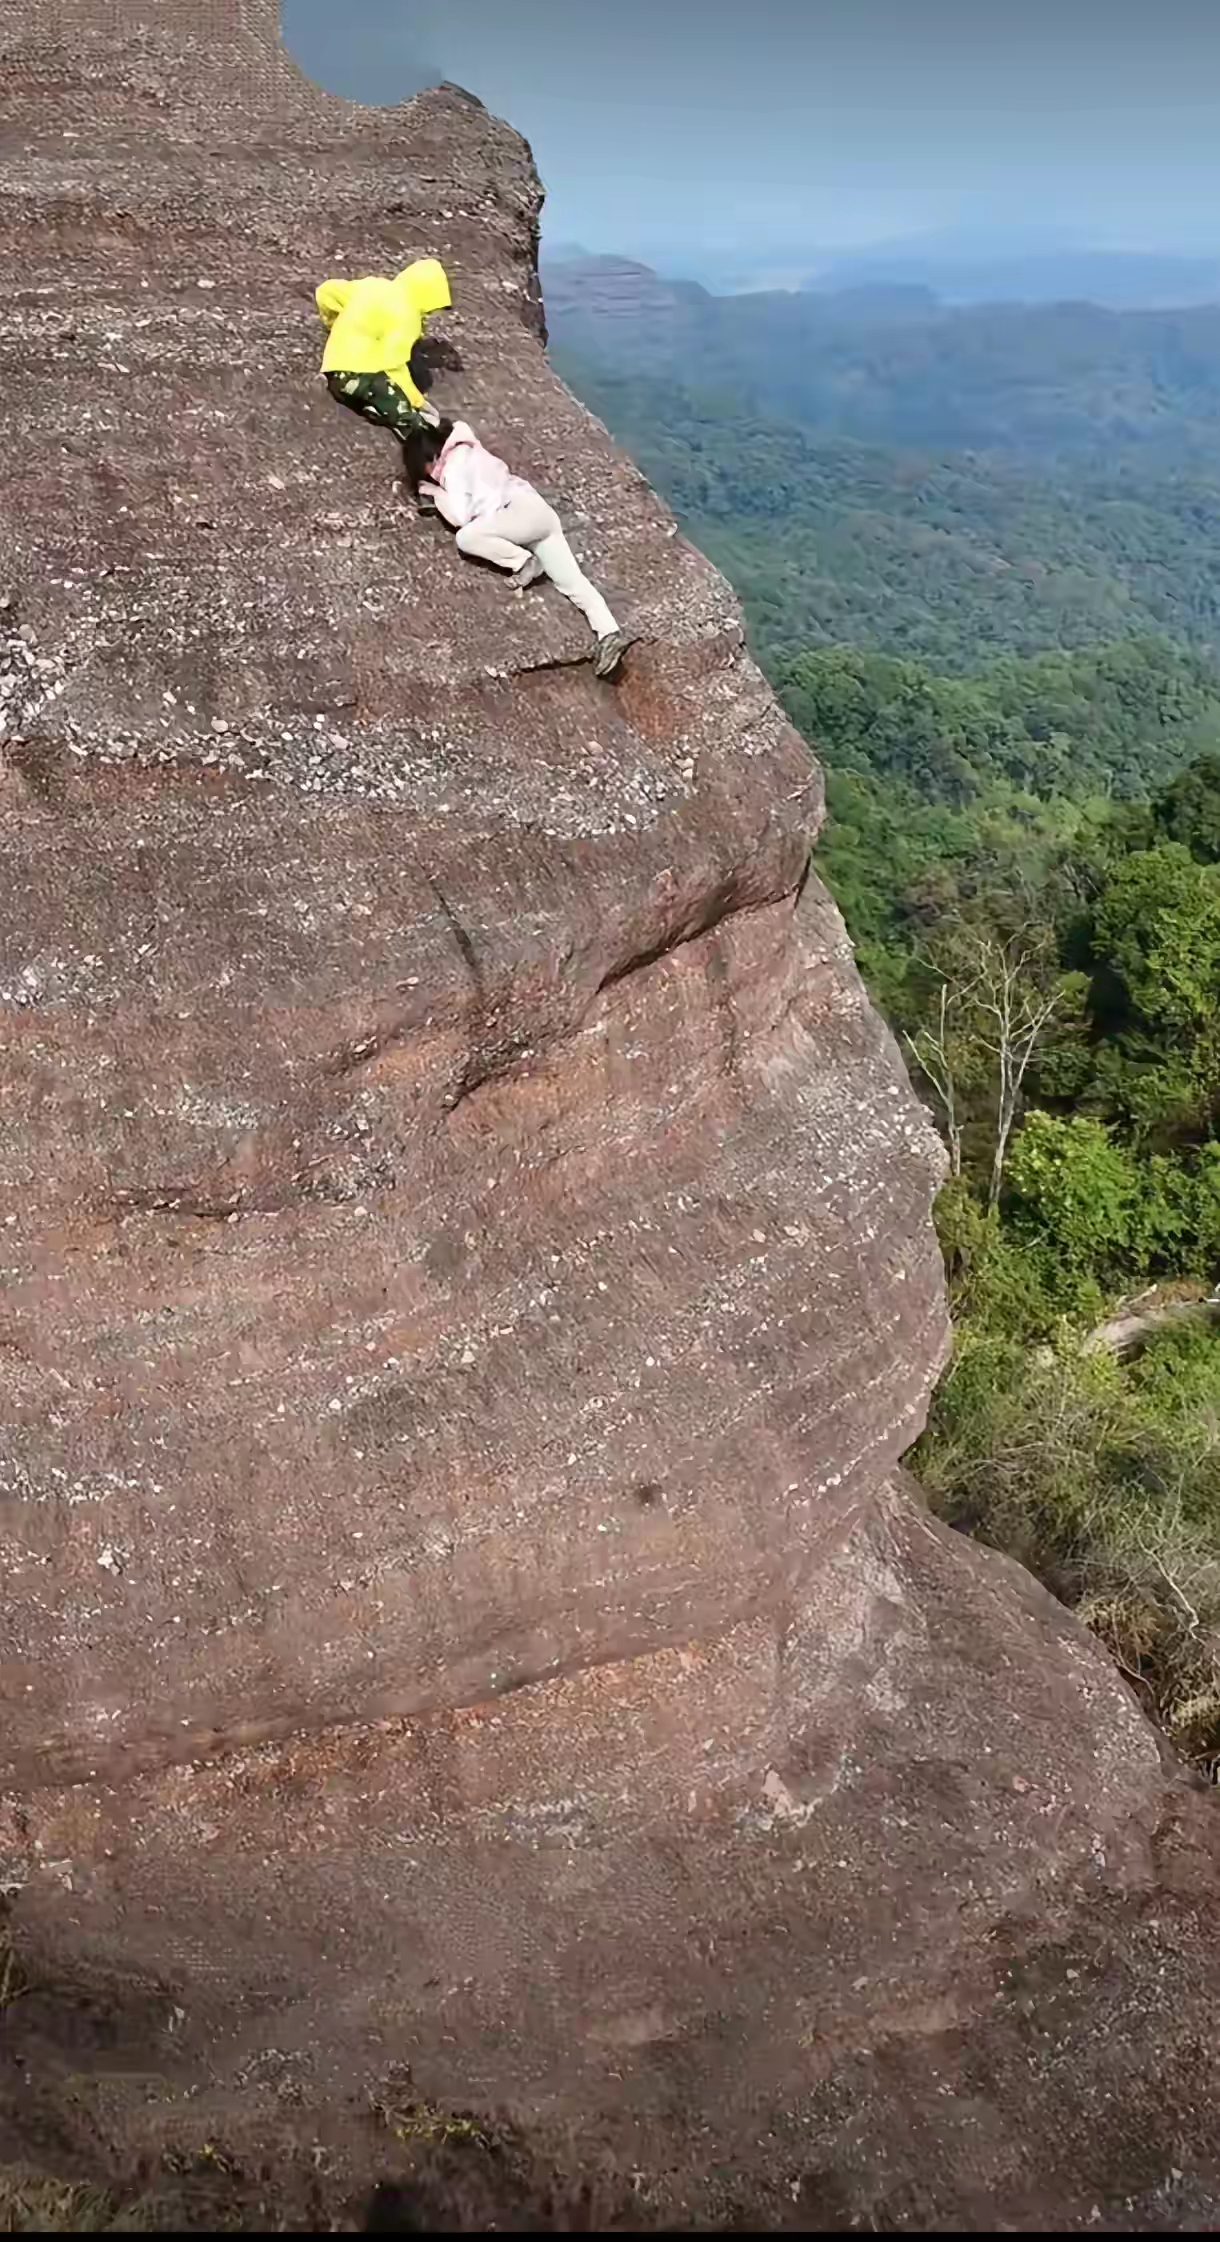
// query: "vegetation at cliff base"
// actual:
[[1051, 960], [1007, 663], [1050, 957]]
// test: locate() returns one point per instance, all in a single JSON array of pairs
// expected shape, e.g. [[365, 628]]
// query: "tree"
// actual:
[[1078, 1193], [1000, 999], [1189, 809], [1156, 937]]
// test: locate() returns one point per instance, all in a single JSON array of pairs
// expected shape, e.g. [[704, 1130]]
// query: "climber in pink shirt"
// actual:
[[502, 519]]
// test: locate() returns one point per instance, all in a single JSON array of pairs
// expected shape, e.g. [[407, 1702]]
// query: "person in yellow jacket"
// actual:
[[374, 325]]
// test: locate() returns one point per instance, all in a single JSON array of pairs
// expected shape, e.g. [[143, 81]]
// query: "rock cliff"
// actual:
[[469, 1280]]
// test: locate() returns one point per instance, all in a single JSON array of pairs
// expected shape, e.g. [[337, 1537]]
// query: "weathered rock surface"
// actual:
[[468, 1280]]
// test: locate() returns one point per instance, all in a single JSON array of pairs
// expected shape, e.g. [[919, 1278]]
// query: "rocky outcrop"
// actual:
[[468, 1267], [592, 302]]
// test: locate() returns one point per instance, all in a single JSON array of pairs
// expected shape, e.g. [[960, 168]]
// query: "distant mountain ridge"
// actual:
[[959, 270], [613, 288], [1114, 280], [890, 364]]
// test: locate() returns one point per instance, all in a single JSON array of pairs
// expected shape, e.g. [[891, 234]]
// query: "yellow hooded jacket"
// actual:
[[375, 324]]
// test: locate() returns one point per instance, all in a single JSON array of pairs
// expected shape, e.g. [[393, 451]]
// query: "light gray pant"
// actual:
[[528, 525]]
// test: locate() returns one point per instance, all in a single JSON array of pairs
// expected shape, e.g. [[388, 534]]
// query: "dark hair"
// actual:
[[421, 447]]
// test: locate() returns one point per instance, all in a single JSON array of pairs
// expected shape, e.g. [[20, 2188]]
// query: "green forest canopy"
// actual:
[[952, 559]]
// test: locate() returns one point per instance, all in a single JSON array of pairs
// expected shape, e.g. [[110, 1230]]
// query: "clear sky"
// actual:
[[791, 125]]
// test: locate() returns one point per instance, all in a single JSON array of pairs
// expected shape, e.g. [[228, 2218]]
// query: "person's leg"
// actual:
[[481, 541], [560, 563], [375, 397], [507, 539], [528, 530]]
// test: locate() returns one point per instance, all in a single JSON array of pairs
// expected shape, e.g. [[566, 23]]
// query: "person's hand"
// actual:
[[432, 355]]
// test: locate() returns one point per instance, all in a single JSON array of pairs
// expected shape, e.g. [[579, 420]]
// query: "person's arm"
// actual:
[[402, 372], [400, 326], [452, 486], [453, 514]]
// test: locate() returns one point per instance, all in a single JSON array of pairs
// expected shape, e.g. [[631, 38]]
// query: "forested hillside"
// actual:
[[1008, 659], [951, 558]]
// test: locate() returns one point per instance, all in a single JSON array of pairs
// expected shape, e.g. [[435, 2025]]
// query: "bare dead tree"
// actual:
[[995, 996], [1009, 991], [932, 1052]]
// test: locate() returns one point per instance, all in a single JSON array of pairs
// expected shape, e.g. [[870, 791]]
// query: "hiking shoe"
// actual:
[[610, 652], [528, 573]]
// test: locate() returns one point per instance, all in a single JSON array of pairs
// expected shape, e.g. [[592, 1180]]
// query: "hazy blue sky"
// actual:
[[807, 123]]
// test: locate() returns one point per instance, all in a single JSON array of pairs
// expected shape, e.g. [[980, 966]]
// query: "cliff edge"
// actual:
[[468, 1273]]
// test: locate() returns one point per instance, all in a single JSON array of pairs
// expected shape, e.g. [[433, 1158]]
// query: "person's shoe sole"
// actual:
[[610, 652]]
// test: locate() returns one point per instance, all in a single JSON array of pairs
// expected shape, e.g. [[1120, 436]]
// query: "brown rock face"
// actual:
[[468, 1276]]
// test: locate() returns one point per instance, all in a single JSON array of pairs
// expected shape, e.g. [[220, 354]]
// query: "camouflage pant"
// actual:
[[375, 397]]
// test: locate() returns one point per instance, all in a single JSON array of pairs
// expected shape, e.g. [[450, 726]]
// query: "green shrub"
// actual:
[[1104, 1479]]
